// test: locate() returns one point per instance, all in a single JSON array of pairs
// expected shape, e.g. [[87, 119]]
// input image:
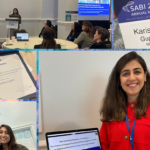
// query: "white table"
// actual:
[[36, 41]]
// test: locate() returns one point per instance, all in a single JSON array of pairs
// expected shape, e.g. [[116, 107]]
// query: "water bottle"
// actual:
[[26, 46]]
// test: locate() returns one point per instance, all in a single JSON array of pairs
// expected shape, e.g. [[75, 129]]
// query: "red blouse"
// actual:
[[115, 136]]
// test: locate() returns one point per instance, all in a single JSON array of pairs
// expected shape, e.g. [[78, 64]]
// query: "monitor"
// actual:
[[93, 10]]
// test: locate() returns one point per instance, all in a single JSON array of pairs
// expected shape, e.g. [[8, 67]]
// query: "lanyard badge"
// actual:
[[132, 133]]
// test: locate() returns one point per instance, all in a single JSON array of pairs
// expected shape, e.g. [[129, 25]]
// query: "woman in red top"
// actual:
[[126, 109]]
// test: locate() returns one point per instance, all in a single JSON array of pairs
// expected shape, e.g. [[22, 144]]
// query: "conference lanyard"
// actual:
[[132, 133]]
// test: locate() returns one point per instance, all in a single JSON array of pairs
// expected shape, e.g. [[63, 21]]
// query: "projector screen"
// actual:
[[93, 9]]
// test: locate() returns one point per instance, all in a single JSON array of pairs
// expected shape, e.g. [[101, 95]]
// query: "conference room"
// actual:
[[55, 24]]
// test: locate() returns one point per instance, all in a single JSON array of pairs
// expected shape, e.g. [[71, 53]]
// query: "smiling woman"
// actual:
[[126, 106], [132, 80], [7, 139]]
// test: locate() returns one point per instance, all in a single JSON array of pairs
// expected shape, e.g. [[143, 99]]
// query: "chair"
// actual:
[[18, 31], [58, 46], [108, 46], [55, 30]]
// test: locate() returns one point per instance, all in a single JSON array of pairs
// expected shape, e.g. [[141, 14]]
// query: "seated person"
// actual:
[[101, 37], [7, 139], [46, 25], [95, 28], [85, 39], [48, 40], [75, 31]]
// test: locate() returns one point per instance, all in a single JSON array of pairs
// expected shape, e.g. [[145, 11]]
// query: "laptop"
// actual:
[[83, 139], [22, 36]]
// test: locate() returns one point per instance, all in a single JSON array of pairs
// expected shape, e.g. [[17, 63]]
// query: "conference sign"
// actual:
[[134, 20]]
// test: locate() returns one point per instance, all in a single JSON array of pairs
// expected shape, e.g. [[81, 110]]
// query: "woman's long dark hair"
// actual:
[[88, 28], [76, 32], [12, 143], [48, 38], [77, 28], [17, 11], [114, 102]]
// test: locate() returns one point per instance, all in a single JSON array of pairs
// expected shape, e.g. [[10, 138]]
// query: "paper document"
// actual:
[[15, 81]]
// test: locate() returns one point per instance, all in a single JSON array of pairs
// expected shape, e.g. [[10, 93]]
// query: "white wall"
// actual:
[[50, 10], [17, 114], [73, 84], [64, 27], [33, 13]]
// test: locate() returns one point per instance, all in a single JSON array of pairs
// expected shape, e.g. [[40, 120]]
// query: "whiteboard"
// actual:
[[73, 84]]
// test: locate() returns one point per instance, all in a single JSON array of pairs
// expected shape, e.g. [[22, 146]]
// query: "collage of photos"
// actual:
[[74, 75]]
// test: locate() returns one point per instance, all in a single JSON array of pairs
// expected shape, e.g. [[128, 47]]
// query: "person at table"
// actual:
[[95, 28], [47, 24], [85, 39], [75, 31], [101, 37], [126, 106], [48, 40], [7, 139], [16, 13]]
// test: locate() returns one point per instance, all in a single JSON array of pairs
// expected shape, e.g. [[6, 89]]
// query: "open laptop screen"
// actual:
[[22, 37], [74, 140]]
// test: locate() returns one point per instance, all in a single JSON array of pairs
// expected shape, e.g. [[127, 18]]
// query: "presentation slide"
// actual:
[[93, 9], [22, 36], [88, 141]]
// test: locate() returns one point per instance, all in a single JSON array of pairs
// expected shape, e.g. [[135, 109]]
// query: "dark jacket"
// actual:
[[75, 36], [44, 28], [101, 45], [18, 16], [20, 147], [41, 32]]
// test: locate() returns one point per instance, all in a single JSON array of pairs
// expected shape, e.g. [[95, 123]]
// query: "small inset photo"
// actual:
[[62, 24], [17, 125], [18, 74]]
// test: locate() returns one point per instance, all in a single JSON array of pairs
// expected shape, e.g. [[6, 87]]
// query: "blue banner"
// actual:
[[129, 11]]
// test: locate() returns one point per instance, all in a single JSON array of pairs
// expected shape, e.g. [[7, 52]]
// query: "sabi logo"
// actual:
[[125, 8]]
